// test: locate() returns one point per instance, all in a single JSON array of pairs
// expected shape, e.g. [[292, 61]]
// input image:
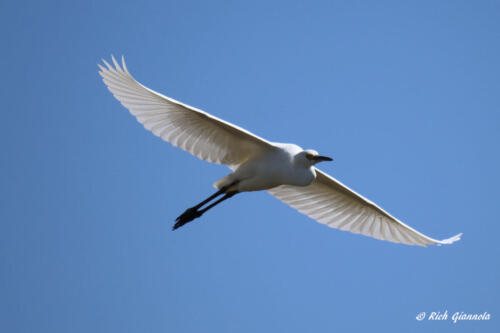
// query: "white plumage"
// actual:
[[285, 170]]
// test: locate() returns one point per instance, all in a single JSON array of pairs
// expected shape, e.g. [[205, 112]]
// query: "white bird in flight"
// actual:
[[285, 170]]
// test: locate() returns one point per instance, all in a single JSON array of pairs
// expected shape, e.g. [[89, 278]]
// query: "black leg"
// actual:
[[225, 197], [210, 198], [194, 212]]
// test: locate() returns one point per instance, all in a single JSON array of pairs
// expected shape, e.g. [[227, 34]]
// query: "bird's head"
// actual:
[[310, 157]]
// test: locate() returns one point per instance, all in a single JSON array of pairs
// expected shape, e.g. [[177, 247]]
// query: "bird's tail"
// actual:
[[225, 181]]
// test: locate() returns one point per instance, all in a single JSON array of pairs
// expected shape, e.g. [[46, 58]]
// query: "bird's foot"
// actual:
[[189, 215]]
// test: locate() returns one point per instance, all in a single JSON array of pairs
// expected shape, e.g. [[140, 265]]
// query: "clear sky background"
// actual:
[[404, 95]]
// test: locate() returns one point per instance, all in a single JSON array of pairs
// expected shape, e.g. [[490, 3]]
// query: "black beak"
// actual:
[[320, 158]]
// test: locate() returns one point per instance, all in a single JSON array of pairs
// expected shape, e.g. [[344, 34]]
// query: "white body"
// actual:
[[258, 164], [270, 169]]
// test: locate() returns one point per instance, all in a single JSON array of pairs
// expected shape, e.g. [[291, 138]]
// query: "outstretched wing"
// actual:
[[330, 202], [199, 133]]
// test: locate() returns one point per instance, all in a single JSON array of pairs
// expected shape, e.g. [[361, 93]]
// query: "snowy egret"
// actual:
[[284, 170]]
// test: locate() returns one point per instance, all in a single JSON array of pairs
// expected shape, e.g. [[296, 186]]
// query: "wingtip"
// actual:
[[117, 67], [107, 64], [451, 240], [123, 64]]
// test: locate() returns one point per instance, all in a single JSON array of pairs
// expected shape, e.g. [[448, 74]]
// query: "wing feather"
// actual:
[[330, 202], [197, 132]]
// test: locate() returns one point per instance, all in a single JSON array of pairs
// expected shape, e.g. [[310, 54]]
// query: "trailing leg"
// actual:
[[194, 212]]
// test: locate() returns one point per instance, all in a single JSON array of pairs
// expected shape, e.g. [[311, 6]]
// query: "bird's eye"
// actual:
[[309, 156]]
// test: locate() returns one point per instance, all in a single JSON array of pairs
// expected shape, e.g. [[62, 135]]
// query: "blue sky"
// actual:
[[404, 96]]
